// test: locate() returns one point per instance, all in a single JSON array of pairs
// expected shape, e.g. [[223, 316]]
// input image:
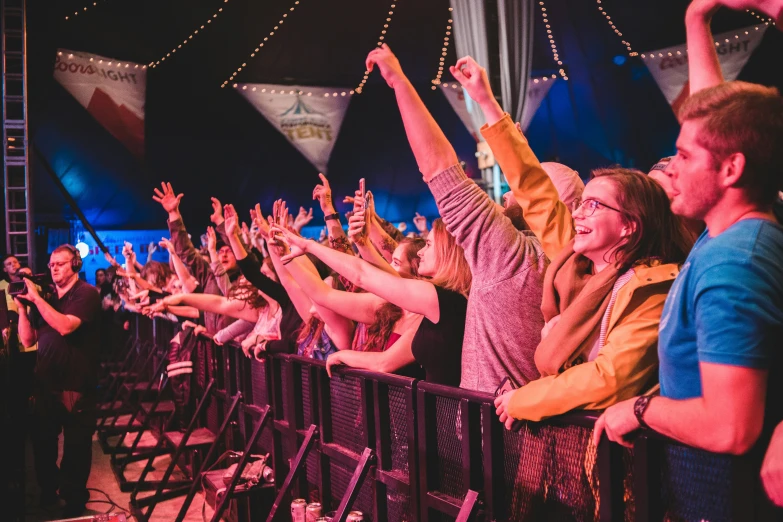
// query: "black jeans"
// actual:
[[74, 414]]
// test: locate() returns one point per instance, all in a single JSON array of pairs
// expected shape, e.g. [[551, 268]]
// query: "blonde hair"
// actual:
[[453, 270]]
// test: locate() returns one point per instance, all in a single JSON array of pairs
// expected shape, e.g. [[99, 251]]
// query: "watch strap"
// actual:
[[639, 407], [335, 216]]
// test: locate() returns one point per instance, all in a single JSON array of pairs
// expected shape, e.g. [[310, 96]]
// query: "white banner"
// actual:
[[112, 91], [471, 115], [310, 117], [669, 66]]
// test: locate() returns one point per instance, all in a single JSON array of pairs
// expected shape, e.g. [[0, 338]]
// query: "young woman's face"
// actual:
[[400, 260], [601, 230], [428, 265]]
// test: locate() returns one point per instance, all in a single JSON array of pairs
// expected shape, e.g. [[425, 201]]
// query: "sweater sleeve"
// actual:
[[547, 216], [251, 269], [188, 253], [221, 277], [625, 367], [494, 248]]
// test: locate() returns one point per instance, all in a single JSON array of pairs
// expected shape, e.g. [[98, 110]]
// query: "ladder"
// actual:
[[16, 172]]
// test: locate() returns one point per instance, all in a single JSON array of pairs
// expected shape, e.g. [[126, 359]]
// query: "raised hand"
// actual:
[[258, 221], [108, 257], [167, 199], [231, 220], [167, 244], [421, 223], [152, 248], [297, 245], [217, 212], [303, 218], [211, 239], [473, 78], [387, 63], [245, 233], [323, 193], [357, 227]]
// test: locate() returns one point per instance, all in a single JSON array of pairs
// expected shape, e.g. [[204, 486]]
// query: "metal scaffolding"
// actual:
[[16, 166]]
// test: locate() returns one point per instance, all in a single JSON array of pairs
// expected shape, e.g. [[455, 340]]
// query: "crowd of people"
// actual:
[[654, 297]]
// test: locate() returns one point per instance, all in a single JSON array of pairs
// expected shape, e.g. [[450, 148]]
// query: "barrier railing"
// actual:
[[400, 449]]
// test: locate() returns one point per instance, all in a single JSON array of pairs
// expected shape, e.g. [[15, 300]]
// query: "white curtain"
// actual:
[[470, 37], [515, 35]]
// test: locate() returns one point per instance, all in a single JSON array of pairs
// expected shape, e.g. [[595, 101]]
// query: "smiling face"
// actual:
[[598, 235], [694, 175]]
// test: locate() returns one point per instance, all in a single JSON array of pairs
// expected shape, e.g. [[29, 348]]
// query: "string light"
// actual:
[[444, 51], [85, 8], [297, 92], [381, 38], [189, 38], [552, 44], [119, 64], [735, 36], [764, 19], [262, 43], [617, 31]]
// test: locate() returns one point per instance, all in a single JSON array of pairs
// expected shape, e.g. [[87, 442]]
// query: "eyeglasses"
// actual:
[[589, 206], [57, 265]]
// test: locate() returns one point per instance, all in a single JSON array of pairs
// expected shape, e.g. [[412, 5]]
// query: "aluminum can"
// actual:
[[355, 516], [299, 510], [314, 511], [322, 519]]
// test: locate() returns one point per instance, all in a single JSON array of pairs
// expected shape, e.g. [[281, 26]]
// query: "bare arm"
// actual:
[[413, 295], [215, 304], [189, 283], [64, 324], [358, 228], [184, 311], [397, 356], [703, 65], [27, 334]]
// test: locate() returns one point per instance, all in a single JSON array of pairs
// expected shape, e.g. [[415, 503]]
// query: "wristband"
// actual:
[[639, 407], [335, 216]]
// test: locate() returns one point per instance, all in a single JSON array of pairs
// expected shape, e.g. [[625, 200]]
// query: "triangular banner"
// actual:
[[310, 117], [112, 91], [471, 115], [669, 66]]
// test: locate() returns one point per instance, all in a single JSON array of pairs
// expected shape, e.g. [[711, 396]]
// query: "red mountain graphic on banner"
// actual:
[[112, 91], [122, 123]]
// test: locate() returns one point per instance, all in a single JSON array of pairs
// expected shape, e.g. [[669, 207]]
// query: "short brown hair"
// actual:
[[159, 272], [746, 118], [658, 235]]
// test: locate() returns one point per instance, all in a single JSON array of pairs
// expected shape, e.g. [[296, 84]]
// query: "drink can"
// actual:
[[299, 510], [314, 511], [322, 519], [355, 516]]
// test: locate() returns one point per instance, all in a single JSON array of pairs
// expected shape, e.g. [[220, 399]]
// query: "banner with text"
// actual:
[[471, 115], [669, 66], [310, 117], [112, 91]]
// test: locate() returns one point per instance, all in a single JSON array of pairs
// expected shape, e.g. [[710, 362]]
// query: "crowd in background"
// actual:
[[655, 297]]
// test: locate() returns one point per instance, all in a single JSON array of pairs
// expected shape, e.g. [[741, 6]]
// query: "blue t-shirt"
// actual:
[[725, 307]]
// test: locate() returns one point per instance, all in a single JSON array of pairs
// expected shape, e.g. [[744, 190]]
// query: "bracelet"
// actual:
[[286, 262], [335, 216], [639, 407]]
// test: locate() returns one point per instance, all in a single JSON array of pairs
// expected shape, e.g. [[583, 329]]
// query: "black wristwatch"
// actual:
[[639, 407], [335, 216]]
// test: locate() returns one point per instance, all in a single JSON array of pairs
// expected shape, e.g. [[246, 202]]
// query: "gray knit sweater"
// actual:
[[504, 321]]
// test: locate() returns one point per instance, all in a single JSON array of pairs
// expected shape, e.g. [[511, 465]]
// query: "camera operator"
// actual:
[[67, 329]]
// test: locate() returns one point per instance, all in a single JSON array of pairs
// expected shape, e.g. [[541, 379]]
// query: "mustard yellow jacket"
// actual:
[[627, 365]]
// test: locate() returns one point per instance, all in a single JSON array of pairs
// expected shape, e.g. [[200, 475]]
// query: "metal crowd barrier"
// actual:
[[401, 450]]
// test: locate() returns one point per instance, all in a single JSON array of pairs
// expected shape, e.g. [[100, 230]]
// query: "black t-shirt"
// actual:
[[71, 362], [438, 347]]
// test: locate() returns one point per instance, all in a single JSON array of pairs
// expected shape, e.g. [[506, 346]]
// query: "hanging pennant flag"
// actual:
[[112, 91], [310, 117], [669, 66], [471, 115]]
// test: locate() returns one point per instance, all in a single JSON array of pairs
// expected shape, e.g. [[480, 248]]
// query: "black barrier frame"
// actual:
[[302, 406]]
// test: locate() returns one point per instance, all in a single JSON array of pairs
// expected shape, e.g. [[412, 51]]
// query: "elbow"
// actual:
[[736, 438]]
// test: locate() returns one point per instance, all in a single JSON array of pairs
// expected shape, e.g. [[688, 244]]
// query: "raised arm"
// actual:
[[548, 218], [359, 225], [221, 276], [215, 304], [413, 295], [432, 150], [703, 65], [189, 283], [337, 237]]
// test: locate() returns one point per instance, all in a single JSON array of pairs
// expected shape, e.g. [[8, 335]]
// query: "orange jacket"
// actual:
[[627, 365]]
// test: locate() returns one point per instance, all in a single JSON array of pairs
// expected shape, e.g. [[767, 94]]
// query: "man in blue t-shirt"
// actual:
[[722, 324]]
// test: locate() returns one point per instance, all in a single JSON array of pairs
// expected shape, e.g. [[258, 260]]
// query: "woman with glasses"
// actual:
[[613, 261]]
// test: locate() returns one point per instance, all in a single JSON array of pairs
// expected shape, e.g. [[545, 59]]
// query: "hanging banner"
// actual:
[[471, 115], [112, 91], [310, 117], [669, 66]]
